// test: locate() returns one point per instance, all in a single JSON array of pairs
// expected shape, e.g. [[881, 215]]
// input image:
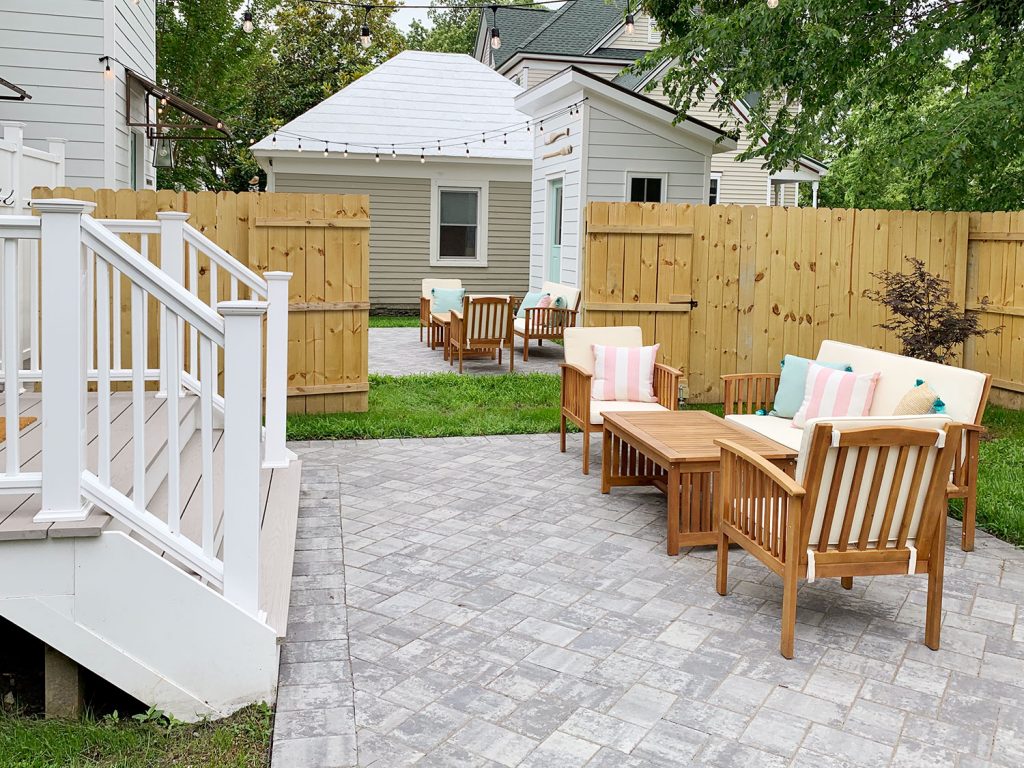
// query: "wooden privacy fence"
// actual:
[[768, 281], [323, 240]]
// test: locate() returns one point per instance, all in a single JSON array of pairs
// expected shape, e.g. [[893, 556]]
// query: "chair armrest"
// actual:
[[576, 391], [666, 385], [751, 492], [548, 319], [967, 455], [749, 392], [424, 309], [455, 328]]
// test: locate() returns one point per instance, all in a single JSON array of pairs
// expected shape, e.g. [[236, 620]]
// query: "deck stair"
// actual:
[[159, 555]]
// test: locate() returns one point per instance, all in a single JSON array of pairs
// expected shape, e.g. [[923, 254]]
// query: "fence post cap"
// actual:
[[282, 276], [63, 205], [245, 308], [172, 215]]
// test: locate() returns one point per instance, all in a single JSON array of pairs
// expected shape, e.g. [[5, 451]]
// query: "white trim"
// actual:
[[615, 31], [630, 175], [481, 187], [653, 33], [546, 244], [717, 177]]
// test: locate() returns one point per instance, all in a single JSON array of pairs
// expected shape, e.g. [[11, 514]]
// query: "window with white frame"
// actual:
[[646, 187], [458, 225], [714, 184]]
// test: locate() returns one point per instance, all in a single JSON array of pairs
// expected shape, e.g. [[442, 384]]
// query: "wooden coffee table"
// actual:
[[675, 451]]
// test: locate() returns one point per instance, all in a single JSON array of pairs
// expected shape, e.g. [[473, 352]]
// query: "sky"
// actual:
[[405, 16]]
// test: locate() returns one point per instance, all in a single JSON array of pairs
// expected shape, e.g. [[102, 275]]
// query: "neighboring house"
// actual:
[[592, 35], [90, 68], [463, 211], [597, 141]]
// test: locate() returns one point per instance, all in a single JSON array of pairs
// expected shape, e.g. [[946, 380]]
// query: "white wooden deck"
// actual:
[[279, 490]]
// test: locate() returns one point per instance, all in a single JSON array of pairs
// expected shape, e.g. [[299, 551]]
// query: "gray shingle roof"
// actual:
[[572, 30], [517, 24]]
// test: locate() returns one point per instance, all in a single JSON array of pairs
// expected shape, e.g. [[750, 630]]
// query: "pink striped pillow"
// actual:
[[835, 393], [624, 373]]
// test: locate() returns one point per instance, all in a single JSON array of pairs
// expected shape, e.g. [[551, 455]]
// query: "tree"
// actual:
[[871, 70], [454, 30]]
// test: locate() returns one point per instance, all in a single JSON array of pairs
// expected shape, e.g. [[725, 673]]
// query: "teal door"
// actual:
[[554, 234]]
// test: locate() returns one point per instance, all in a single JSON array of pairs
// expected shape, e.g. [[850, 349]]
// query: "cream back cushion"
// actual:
[[430, 283], [960, 389], [901, 507], [579, 342], [567, 292]]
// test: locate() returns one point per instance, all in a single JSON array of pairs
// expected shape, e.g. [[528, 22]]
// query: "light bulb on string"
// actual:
[[773, 3], [423, 158], [393, 153], [376, 155], [365, 38], [438, 145], [483, 138], [528, 128], [273, 139], [541, 126], [300, 145], [495, 35], [630, 21], [247, 23], [326, 148], [108, 73], [467, 150], [345, 153], [504, 139]]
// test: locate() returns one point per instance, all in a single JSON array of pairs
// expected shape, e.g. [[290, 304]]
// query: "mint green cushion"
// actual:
[[446, 299], [529, 302], [790, 394], [560, 303]]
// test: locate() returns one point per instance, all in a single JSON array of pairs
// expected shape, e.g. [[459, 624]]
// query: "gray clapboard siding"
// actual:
[[400, 235]]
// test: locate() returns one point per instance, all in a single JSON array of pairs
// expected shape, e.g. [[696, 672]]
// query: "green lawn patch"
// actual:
[[394, 321], [442, 405], [240, 741]]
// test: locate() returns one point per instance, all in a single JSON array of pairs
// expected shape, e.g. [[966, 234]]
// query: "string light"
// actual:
[[345, 153], [300, 145], [376, 156], [108, 73], [273, 139], [393, 153], [247, 23], [541, 127], [423, 158], [326, 148], [467, 149], [504, 138], [773, 3], [495, 35], [483, 138], [630, 21], [365, 38]]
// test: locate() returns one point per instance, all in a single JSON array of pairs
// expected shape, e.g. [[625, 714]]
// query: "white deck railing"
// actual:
[[208, 347]]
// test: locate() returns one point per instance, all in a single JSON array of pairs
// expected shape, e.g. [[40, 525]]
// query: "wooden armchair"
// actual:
[[579, 407], [483, 328], [866, 501], [548, 322], [426, 286]]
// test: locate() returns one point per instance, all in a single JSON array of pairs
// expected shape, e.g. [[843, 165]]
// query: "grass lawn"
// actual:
[[240, 741], [396, 321]]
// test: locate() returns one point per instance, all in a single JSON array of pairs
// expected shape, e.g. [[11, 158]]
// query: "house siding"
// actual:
[[639, 40], [135, 35], [530, 72], [400, 235], [51, 48]]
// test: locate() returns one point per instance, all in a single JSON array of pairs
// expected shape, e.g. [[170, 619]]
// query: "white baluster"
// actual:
[[193, 286], [275, 454], [11, 352], [62, 271], [243, 322], [33, 291], [208, 380], [172, 262], [139, 342], [116, 361], [172, 343], [102, 271]]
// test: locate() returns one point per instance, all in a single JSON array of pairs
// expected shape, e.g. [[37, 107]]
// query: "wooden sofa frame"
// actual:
[[481, 312], [545, 323], [748, 393], [770, 515], [576, 384]]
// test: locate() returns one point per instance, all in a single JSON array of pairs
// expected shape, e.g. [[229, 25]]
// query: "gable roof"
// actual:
[[575, 29], [413, 100]]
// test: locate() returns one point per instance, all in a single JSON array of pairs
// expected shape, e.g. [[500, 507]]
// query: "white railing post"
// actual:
[[243, 332], [14, 132], [62, 274], [172, 262], [275, 454]]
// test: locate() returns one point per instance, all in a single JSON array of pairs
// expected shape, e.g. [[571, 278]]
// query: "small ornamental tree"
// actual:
[[925, 320]]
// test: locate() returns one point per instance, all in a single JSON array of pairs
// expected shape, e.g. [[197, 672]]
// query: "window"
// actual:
[[646, 189], [458, 222], [713, 184]]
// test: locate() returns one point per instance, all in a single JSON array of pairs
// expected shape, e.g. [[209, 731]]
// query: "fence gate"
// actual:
[[638, 271]]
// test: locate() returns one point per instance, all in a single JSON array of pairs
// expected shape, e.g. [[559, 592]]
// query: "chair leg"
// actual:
[[847, 582], [511, 359], [971, 502], [421, 332], [722, 581], [526, 348], [561, 434], [789, 586], [586, 450], [936, 567], [540, 342], [460, 358]]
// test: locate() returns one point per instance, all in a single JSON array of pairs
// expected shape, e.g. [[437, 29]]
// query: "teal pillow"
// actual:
[[790, 394], [530, 300], [560, 303], [446, 299]]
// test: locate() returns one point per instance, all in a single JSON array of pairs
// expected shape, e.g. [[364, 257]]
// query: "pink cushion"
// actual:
[[624, 373], [835, 393], [545, 301]]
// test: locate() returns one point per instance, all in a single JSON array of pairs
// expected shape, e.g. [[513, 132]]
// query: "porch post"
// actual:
[[814, 194], [243, 331], [63, 302], [274, 452], [172, 262]]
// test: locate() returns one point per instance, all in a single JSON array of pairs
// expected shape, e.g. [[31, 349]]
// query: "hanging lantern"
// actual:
[[163, 156]]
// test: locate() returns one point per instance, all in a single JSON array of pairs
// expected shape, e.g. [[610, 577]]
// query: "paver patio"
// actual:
[[399, 352], [478, 602]]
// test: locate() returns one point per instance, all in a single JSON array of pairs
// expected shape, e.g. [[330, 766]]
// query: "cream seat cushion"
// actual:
[[960, 389], [600, 407], [519, 324], [568, 294], [774, 428], [430, 283]]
